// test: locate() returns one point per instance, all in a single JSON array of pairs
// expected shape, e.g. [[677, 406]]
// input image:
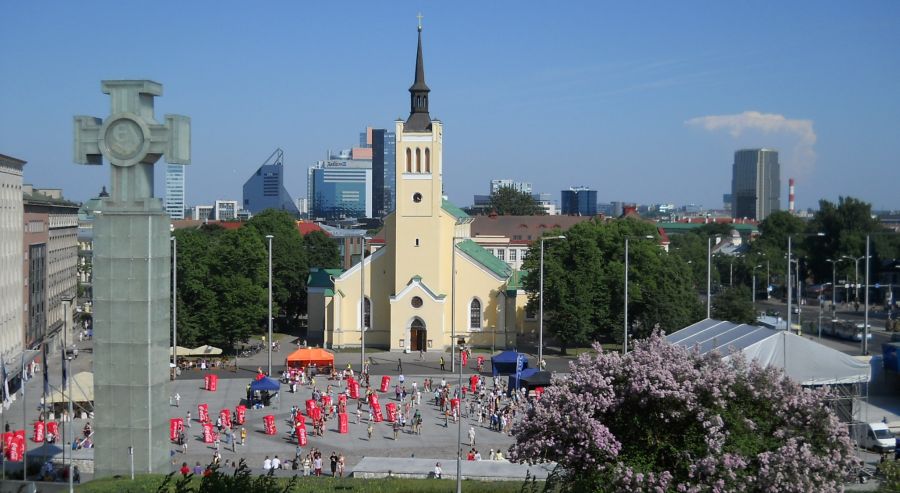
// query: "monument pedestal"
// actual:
[[131, 336]]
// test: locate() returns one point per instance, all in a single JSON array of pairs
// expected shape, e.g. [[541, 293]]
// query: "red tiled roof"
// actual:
[[305, 228], [230, 224]]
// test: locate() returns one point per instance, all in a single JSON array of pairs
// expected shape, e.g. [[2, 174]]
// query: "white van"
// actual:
[[878, 437]]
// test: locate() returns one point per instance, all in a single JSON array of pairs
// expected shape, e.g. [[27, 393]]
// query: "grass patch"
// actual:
[[149, 483]]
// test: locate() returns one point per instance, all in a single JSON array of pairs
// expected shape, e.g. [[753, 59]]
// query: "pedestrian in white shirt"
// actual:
[[267, 464], [276, 463]]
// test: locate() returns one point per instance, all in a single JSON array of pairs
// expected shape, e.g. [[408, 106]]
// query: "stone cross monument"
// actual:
[[131, 267]]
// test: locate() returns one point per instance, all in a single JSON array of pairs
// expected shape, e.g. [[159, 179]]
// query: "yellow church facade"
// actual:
[[429, 280]]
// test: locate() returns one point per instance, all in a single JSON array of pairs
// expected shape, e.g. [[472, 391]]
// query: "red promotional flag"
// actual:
[[225, 414], [203, 413], [391, 409], [473, 382], [353, 386], [213, 383], [465, 357], [316, 413], [53, 427], [301, 435], [8, 438], [299, 420], [173, 429], [326, 401], [310, 405], [240, 413], [454, 403], [385, 383], [377, 413], [206, 382], [343, 423], [14, 452], [209, 436], [269, 424], [38, 436]]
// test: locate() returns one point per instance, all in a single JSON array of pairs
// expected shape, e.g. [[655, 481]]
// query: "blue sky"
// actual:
[[644, 101]]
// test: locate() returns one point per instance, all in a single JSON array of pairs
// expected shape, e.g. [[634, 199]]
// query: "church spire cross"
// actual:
[[419, 16], [131, 139], [419, 120]]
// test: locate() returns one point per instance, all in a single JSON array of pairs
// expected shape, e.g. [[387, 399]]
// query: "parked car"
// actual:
[[878, 437]]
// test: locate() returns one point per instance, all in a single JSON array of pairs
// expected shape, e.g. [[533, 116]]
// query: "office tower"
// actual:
[[755, 183], [203, 213], [12, 230], [384, 178], [175, 191], [579, 201], [340, 189], [265, 189]]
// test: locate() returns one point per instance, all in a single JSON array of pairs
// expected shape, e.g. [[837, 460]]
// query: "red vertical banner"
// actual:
[[53, 427], [299, 419], [385, 383], [173, 429], [310, 405], [391, 409], [206, 382], [8, 439], [269, 422], [343, 423], [326, 401], [473, 383], [316, 413], [16, 446], [203, 413], [301, 434], [240, 414], [225, 414], [353, 387], [38, 436], [209, 436], [465, 357], [213, 382]]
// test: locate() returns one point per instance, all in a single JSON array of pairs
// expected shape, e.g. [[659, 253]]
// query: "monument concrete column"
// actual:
[[131, 268]]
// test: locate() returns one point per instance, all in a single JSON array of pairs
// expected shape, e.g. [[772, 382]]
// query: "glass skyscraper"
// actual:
[[175, 191], [755, 183], [339, 190], [265, 190], [384, 179], [579, 201]]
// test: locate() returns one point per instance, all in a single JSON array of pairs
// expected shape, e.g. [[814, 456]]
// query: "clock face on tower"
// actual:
[[417, 197]]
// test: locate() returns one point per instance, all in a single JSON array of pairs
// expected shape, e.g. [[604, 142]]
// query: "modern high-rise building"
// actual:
[[519, 186], [384, 178], [175, 191], [579, 201], [340, 189], [755, 183], [265, 189], [203, 212]]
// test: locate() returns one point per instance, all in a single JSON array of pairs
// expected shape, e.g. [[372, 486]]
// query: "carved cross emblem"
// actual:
[[131, 139]]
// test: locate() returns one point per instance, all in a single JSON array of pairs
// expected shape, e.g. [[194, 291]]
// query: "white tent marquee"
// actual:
[[803, 360]]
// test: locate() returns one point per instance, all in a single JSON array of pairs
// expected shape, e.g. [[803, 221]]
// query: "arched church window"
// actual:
[[427, 160], [418, 160], [408, 160], [475, 314]]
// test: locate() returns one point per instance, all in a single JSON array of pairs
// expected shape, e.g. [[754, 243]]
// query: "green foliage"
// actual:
[[584, 281], [508, 201], [890, 469], [321, 251], [735, 305]]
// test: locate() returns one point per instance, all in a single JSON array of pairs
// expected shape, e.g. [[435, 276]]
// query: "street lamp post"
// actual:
[[625, 338], [833, 279], [362, 303], [866, 316], [753, 298], [541, 300], [708, 276], [174, 306], [787, 284], [269, 341], [855, 274], [461, 343]]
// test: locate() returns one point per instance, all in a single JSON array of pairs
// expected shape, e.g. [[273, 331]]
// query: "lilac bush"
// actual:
[[664, 418]]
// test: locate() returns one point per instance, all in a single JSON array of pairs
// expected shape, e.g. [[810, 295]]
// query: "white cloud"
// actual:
[[804, 156]]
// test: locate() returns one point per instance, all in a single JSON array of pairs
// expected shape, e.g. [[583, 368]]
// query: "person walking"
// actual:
[[442, 364], [243, 436], [333, 460], [370, 429], [399, 365], [317, 465], [177, 399], [307, 463], [340, 465], [438, 472], [396, 427], [188, 419], [471, 436]]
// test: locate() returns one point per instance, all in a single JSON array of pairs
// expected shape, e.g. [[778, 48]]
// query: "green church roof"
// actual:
[[453, 210], [323, 278], [485, 258], [516, 281]]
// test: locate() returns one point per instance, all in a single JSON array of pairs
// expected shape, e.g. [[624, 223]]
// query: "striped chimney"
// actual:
[[791, 194]]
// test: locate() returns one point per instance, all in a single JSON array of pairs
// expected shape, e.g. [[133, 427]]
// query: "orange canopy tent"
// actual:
[[304, 357]]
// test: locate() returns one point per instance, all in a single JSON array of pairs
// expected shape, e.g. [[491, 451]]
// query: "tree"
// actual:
[[508, 201], [664, 418], [734, 304], [584, 278], [290, 267], [321, 251]]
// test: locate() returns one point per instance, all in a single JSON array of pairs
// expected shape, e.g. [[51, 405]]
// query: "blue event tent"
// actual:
[[505, 363], [265, 383]]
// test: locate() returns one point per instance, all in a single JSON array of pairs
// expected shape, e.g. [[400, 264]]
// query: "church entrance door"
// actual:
[[417, 335]]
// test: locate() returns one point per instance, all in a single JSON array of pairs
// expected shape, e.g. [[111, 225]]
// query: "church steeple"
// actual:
[[419, 120]]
